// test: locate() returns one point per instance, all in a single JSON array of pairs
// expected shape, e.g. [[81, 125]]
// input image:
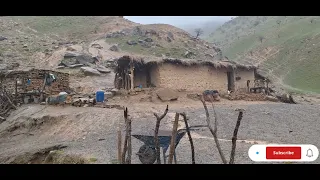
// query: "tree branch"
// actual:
[[234, 138], [189, 135], [173, 138], [156, 131], [213, 131]]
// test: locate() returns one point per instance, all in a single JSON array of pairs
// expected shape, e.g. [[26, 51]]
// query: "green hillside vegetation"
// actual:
[[284, 47]]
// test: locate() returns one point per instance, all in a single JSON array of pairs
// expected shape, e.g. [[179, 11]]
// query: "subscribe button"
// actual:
[[283, 152]]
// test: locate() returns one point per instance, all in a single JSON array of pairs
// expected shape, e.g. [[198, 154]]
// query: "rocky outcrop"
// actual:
[[88, 71]]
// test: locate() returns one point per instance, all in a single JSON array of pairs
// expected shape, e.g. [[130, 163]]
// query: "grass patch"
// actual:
[[297, 40]]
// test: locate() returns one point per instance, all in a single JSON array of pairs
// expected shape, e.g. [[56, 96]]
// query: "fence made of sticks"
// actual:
[[125, 148]]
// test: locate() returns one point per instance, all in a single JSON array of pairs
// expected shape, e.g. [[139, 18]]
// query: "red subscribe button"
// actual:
[[283, 153]]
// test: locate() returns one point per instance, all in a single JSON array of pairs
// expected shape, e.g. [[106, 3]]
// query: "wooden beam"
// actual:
[[173, 138], [132, 74]]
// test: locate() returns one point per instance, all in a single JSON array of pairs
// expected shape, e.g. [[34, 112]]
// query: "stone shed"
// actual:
[[186, 74], [17, 80]]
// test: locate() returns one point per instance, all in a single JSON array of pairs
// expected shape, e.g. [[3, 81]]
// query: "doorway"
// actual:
[[231, 85]]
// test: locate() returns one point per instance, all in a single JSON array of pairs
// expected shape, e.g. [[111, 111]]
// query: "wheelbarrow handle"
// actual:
[[193, 128]]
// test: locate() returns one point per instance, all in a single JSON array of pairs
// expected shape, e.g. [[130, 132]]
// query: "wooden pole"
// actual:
[[173, 138], [234, 138], [119, 144], [132, 74], [190, 138], [125, 145], [128, 160], [156, 131]]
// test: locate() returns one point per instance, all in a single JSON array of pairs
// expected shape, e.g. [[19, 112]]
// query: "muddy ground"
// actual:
[[91, 133]]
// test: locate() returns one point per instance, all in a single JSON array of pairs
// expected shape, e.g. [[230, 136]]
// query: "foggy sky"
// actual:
[[176, 20]]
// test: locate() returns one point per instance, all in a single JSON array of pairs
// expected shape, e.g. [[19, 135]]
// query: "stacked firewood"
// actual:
[[6, 104]]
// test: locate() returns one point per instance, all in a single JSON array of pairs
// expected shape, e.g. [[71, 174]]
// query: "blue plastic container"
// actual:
[[100, 96]]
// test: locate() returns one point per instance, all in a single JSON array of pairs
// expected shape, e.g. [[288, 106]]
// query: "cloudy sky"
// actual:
[[176, 20]]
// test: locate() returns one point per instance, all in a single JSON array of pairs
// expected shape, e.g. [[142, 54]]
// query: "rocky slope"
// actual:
[[284, 47], [67, 43]]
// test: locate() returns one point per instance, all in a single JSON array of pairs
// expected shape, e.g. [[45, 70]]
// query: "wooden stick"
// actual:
[[125, 145], [234, 138], [128, 160], [119, 144], [9, 100], [156, 131], [173, 138], [189, 135], [213, 131]]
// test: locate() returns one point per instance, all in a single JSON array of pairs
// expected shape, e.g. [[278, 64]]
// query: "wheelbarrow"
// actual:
[[147, 152]]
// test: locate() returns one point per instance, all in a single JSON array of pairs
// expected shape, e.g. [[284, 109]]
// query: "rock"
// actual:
[[25, 45], [140, 41], [103, 70], [148, 40], [131, 42], [75, 65], [146, 44], [55, 47], [71, 54], [114, 90], [98, 46], [2, 38], [209, 55], [88, 71], [272, 98], [60, 67], [72, 58], [167, 95], [170, 35], [169, 39], [68, 62], [71, 49], [114, 48], [188, 54]]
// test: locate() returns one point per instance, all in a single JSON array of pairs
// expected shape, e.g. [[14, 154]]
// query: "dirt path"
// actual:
[[91, 132]]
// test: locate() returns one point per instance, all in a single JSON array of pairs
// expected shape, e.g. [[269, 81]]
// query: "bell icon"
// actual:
[[309, 153]]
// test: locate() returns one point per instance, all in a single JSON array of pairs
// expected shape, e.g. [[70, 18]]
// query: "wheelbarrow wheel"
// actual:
[[147, 154]]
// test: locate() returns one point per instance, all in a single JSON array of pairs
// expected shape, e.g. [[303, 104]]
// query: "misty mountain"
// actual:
[[207, 27]]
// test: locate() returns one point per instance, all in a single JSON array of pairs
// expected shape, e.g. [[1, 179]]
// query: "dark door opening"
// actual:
[[230, 76]]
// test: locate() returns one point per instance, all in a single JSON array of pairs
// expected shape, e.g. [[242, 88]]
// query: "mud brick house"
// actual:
[[188, 74], [11, 80]]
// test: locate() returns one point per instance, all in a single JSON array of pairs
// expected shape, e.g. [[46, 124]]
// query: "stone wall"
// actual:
[[37, 79]]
